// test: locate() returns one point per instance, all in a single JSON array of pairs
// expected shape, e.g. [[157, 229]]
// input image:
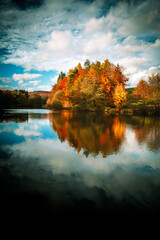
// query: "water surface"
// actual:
[[68, 162]]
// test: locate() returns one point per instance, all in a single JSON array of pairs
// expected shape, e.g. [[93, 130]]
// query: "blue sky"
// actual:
[[41, 38]]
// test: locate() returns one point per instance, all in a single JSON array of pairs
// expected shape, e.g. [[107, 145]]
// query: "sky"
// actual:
[[41, 38]]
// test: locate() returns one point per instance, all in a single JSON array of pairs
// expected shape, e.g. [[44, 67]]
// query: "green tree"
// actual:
[[61, 76], [44, 99], [20, 98], [154, 83], [35, 101], [87, 65], [7, 99], [71, 75]]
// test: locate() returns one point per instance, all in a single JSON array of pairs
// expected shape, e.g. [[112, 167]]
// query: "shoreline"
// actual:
[[129, 111]]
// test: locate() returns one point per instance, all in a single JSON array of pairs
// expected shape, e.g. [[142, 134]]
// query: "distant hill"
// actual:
[[41, 93]]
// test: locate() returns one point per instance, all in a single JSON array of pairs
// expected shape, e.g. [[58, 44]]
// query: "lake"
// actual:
[[83, 163]]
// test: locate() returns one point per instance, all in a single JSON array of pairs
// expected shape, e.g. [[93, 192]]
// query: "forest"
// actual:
[[22, 99], [102, 86]]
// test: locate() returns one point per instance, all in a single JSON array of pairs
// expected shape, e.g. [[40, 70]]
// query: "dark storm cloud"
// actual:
[[3, 51], [27, 4]]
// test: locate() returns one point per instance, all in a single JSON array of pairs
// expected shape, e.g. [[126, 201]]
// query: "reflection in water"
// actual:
[[40, 170], [94, 134], [148, 130], [15, 117]]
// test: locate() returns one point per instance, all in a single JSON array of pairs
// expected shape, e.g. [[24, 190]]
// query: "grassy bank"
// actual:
[[148, 110]]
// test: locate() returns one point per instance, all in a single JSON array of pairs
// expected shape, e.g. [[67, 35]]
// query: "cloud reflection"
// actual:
[[129, 173], [22, 132], [50, 164]]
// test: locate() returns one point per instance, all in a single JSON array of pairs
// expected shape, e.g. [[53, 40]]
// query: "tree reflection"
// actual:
[[147, 130], [12, 117], [90, 132]]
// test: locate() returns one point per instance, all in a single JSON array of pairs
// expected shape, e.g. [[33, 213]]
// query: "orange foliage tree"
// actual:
[[90, 87], [142, 91]]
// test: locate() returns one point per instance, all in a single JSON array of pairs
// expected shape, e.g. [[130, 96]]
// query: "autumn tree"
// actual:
[[154, 80], [71, 75], [75, 94], [120, 96], [97, 68], [50, 100], [111, 76], [106, 67], [90, 87], [154, 83], [62, 83], [92, 95], [58, 99], [142, 91]]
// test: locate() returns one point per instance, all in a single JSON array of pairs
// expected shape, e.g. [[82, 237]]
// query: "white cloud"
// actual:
[[131, 65], [23, 132], [60, 41], [25, 76], [39, 88], [94, 25], [60, 34], [153, 70], [5, 79], [23, 85], [130, 46], [98, 45], [35, 83], [157, 43], [6, 87], [44, 87], [136, 77], [54, 79]]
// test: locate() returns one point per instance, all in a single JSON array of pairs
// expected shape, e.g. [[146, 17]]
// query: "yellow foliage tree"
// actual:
[[119, 96]]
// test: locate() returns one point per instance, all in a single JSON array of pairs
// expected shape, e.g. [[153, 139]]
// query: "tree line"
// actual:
[[148, 92], [21, 98], [96, 86]]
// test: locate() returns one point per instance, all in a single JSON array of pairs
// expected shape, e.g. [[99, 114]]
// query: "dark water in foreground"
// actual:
[[82, 163]]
